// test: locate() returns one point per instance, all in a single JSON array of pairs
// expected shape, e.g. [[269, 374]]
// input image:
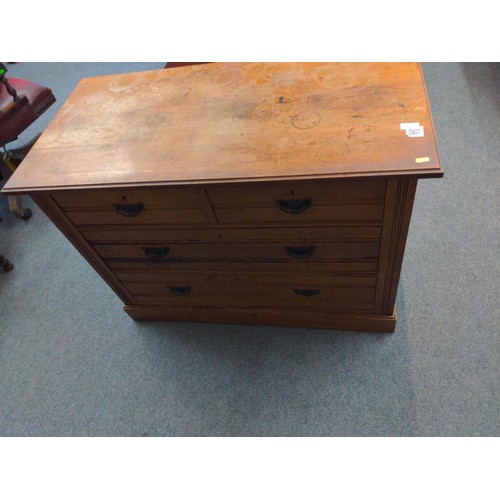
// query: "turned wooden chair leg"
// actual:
[[7, 167], [7, 266], [16, 207]]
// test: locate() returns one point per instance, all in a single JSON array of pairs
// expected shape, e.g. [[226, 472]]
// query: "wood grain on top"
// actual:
[[235, 122]]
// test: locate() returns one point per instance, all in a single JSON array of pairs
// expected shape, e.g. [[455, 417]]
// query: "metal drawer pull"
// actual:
[[300, 252], [128, 209], [294, 207], [179, 290], [305, 292], [156, 252]]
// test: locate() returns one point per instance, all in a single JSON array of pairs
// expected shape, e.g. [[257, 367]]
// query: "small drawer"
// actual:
[[320, 192], [311, 298], [133, 206], [99, 199], [147, 216], [344, 200], [274, 251]]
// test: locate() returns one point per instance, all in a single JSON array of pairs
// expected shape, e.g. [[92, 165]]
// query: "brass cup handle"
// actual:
[[300, 252], [129, 209], [156, 252], [294, 207]]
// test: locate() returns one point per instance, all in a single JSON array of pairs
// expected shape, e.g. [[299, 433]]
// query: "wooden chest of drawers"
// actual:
[[275, 194]]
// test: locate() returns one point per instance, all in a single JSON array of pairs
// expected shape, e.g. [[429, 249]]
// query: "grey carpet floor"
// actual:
[[73, 364]]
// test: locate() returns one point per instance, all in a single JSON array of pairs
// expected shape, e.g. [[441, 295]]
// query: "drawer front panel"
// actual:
[[346, 200], [245, 279], [186, 288], [309, 298], [133, 207], [108, 198], [369, 212], [285, 251], [360, 233], [146, 216], [282, 267], [319, 192]]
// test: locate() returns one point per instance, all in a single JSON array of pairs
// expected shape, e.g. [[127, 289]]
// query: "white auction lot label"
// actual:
[[412, 129]]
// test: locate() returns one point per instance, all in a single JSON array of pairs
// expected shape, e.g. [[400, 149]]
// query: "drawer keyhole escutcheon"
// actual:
[[179, 290], [300, 252], [156, 252], [294, 207], [129, 209]]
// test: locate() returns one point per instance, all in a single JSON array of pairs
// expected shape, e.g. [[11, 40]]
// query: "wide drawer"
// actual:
[[219, 234], [272, 251], [281, 267], [133, 207], [132, 278], [344, 200], [265, 297]]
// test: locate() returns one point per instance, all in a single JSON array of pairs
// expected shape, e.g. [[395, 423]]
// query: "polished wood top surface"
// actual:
[[236, 122]]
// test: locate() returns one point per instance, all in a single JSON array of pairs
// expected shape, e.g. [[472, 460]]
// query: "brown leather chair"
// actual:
[[177, 64], [21, 103]]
